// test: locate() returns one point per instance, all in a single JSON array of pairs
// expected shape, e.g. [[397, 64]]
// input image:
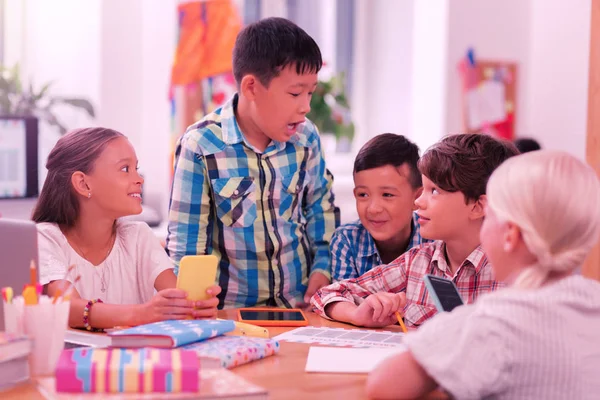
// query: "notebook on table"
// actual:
[[347, 360], [170, 334], [232, 351]]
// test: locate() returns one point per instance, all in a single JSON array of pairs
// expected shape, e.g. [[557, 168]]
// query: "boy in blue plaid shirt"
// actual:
[[386, 185], [250, 183]]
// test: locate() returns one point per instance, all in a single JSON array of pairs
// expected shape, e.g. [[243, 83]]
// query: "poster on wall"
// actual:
[[488, 96], [13, 158]]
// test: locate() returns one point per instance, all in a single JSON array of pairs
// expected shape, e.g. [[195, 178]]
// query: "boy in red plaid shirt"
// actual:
[[455, 172]]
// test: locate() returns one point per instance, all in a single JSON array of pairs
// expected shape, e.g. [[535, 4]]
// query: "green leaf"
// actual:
[[79, 103], [42, 91]]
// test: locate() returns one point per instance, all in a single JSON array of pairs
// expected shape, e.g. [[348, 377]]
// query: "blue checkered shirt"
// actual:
[[267, 216], [353, 250]]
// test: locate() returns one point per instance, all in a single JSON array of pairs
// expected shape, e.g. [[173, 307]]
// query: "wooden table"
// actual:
[[282, 375]]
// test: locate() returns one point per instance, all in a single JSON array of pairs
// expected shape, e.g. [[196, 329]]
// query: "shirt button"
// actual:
[[297, 187], [236, 192]]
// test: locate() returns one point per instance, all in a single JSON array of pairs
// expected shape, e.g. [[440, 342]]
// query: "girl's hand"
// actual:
[[167, 304], [206, 309]]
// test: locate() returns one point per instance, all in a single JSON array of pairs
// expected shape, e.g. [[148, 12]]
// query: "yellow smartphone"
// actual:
[[196, 274]]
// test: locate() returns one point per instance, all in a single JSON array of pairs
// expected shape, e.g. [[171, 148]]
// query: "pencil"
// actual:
[[401, 322], [33, 273], [56, 296], [67, 295]]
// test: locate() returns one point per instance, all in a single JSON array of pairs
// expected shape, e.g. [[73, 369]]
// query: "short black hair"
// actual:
[[266, 47], [527, 144], [390, 149]]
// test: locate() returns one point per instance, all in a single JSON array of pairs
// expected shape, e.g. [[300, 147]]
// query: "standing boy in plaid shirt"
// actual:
[[250, 182], [455, 172]]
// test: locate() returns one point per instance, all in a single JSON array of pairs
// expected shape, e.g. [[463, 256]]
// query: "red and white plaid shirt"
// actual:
[[473, 278]]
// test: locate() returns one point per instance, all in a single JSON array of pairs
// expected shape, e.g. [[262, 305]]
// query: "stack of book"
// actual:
[[185, 357], [14, 353]]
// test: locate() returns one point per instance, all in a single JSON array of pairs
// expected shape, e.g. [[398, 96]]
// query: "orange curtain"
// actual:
[[201, 75]]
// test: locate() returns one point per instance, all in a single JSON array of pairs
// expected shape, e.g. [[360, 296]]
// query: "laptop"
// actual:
[[18, 246]]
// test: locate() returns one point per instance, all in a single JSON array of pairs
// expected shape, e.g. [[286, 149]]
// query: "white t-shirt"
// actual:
[[517, 344], [128, 273]]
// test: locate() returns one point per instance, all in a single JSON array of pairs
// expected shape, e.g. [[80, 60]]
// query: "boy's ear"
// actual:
[[416, 194], [478, 207], [248, 86], [78, 180]]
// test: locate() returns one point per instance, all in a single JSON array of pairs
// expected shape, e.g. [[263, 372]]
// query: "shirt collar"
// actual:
[[476, 259], [368, 247], [229, 127], [232, 134]]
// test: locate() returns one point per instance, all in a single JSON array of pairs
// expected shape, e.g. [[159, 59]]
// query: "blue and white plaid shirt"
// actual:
[[353, 250], [267, 216]]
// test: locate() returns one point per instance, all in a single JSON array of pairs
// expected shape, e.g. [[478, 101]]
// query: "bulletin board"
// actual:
[[489, 97]]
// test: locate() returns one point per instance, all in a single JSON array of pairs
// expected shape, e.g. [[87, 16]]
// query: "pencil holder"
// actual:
[[46, 324], [13, 316]]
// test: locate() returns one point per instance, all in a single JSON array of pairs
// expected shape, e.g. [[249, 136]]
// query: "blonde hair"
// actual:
[[554, 199]]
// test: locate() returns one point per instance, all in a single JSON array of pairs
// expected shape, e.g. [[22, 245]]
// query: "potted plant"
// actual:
[[330, 111], [17, 99]]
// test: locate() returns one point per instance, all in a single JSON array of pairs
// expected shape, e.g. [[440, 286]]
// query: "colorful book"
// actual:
[[86, 370], [232, 351], [169, 334], [216, 383]]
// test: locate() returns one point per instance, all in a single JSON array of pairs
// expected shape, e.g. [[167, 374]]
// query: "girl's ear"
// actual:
[[78, 181], [512, 236], [478, 207]]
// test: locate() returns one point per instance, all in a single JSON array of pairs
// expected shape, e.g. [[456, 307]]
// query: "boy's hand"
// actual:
[[378, 310], [315, 282], [207, 308]]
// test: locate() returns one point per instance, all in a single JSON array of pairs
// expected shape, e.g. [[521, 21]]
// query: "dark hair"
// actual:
[[78, 150], [464, 163], [390, 149], [527, 144], [265, 47]]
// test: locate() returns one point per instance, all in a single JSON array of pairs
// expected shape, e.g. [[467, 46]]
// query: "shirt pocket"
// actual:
[[416, 314], [235, 201], [292, 196]]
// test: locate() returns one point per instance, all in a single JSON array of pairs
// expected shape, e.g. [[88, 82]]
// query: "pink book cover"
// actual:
[[145, 370]]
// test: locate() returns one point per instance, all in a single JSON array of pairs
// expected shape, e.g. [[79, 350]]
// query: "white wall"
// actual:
[[383, 67], [116, 54], [59, 43], [497, 30], [56, 41], [119, 54], [382, 82], [158, 48], [556, 110], [429, 77]]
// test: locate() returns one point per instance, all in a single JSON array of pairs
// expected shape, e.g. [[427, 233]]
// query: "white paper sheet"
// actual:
[[486, 104], [346, 360], [343, 337]]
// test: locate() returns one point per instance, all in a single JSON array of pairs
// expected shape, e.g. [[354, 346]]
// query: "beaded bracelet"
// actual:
[[86, 315]]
